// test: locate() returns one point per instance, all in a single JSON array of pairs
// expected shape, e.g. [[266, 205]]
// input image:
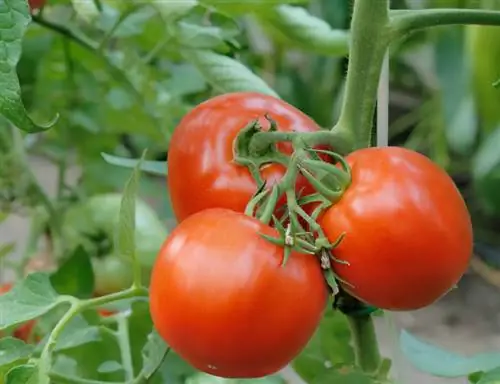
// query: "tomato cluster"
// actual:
[[220, 295]]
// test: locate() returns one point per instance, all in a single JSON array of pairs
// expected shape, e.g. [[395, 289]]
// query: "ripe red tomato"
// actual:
[[408, 232], [36, 4], [201, 171], [221, 299], [25, 330]]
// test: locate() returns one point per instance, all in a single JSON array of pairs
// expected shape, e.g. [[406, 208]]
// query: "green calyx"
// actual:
[[295, 218]]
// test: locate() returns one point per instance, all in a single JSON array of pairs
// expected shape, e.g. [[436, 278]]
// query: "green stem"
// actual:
[[365, 343], [124, 344], [369, 41], [404, 22]]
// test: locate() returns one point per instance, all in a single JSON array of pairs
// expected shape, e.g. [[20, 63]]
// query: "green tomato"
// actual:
[[111, 274], [92, 224]]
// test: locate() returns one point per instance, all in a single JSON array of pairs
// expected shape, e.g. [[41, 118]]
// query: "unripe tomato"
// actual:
[[22, 331], [221, 299], [111, 274], [36, 4], [408, 234], [201, 170]]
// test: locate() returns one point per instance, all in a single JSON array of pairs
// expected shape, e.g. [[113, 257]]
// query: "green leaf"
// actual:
[[297, 27], [14, 352], [75, 276], [14, 19], [439, 362], [23, 374], [226, 74], [328, 349], [153, 167], [86, 10], [28, 299], [125, 240], [245, 6], [457, 99], [487, 156], [205, 378], [490, 377], [153, 353], [6, 249]]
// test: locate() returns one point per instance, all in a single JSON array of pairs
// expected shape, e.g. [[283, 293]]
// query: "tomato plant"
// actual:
[[405, 223], [23, 331], [257, 315], [202, 172]]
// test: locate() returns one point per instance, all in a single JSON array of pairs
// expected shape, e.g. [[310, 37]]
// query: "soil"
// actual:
[[466, 321]]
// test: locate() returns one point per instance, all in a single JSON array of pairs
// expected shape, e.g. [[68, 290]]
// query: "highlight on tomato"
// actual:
[[408, 234], [220, 297], [201, 170]]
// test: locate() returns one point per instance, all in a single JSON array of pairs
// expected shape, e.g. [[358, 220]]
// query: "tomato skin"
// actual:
[[222, 301], [23, 331], [408, 232], [201, 171], [111, 274]]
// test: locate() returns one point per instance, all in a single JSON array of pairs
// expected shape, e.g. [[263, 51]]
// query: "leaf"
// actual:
[[487, 157], [245, 6], [86, 10], [457, 99], [490, 377], [23, 374], [153, 167], [14, 19], [6, 249], [13, 352], [28, 299], [75, 276], [153, 353], [328, 348], [439, 362], [205, 378], [297, 27], [226, 74]]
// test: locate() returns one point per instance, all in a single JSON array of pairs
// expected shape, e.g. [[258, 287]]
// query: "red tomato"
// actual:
[[36, 4], [222, 301], [408, 232], [201, 171], [25, 330]]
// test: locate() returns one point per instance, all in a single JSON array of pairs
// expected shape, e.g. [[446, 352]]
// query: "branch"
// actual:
[[407, 21]]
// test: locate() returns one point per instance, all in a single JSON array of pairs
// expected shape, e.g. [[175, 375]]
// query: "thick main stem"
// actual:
[[365, 343], [369, 41]]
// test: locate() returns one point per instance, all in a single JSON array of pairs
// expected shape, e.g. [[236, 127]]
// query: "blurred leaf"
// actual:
[[86, 10], [327, 350], [153, 167], [14, 18], [75, 276], [28, 299], [488, 156], [139, 328], [125, 241], [439, 362], [173, 370], [6, 249], [484, 53], [458, 102], [24, 374], [14, 352], [245, 6], [205, 378], [226, 74], [297, 27], [490, 377]]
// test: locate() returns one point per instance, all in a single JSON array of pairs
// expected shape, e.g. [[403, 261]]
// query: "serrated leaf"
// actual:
[[75, 276], [28, 299], [14, 19], [153, 354], [153, 167], [299, 28], [439, 362], [226, 74], [25, 374], [13, 352]]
